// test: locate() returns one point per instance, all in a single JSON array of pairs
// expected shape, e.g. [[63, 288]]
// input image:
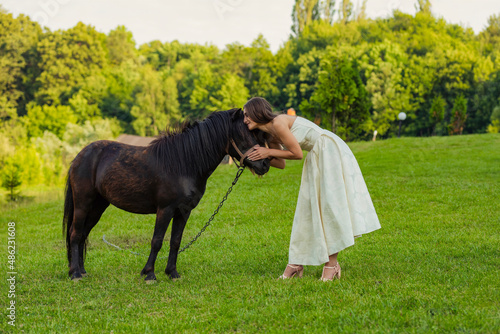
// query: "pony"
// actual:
[[168, 178]]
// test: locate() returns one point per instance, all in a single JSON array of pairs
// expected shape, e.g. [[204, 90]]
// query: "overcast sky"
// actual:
[[219, 22]]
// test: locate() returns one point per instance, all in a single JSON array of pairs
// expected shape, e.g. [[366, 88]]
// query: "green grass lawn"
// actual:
[[432, 268]]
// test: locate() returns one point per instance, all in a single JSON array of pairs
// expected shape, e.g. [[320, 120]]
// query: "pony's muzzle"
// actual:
[[260, 167]]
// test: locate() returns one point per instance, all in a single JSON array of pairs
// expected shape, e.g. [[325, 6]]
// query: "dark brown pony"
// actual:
[[167, 178]]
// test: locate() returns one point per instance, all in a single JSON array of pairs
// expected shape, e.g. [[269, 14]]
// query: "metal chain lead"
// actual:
[[238, 174]]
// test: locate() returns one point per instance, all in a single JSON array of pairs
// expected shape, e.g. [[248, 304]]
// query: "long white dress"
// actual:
[[334, 205]]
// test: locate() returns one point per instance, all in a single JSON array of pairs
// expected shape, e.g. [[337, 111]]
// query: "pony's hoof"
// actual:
[[150, 278], [174, 275], [75, 277]]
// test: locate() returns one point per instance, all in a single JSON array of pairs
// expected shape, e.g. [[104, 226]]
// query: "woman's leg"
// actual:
[[331, 268], [332, 260]]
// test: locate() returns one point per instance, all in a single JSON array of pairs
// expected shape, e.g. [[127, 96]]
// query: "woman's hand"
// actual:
[[259, 153]]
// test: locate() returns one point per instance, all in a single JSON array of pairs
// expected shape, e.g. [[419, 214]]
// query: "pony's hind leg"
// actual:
[[163, 217], [76, 238], [97, 209]]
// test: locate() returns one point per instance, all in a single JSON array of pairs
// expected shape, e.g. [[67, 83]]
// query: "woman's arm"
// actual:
[[277, 162], [293, 152]]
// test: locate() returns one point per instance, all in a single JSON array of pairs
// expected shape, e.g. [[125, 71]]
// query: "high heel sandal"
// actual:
[[335, 273], [297, 270]]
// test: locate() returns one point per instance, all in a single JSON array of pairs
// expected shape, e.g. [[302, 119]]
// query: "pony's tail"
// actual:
[[69, 209]]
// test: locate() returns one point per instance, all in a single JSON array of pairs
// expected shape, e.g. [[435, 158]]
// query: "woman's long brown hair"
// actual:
[[260, 111]]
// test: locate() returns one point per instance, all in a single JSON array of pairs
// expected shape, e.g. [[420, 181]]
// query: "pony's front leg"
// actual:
[[163, 217], [178, 226]]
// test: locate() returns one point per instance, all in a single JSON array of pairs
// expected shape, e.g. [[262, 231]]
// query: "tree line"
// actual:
[[60, 90]]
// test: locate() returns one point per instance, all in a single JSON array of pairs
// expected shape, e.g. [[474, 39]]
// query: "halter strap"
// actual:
[[242, 156]]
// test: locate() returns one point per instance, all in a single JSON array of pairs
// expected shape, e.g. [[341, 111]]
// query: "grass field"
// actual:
[[432, 268]]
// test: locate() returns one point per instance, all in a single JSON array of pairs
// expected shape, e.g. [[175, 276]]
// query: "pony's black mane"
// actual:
[[195, 147]]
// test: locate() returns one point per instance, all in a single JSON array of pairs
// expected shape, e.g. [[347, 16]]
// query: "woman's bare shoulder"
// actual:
[[284, 121]]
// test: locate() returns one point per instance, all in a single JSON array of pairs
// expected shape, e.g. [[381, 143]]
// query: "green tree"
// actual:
[[346, 11], [50, 150], [361, 14], [262, 79], [283, 60], [494, 127], [82, 109], [455, 70], [204, 87], [11, 178], [8, 110], [156, 105], [420, 76], [256, 65], [86, 103], [232, 94], [424, 6], [160, 55], [303, 13], [307, 11], [66, 58], [194, 63], [436, 112], [48, 118], [121, 84], [459, 116], [300, 58], [27, 157], [341, 95], [236, 59], [18, 37], [6, 148], [484, 100], [327, 10], [384, 69], [121, 45], [490, 37], [302, 85]]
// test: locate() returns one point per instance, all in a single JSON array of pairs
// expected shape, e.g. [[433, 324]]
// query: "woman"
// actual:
[[333, 206]]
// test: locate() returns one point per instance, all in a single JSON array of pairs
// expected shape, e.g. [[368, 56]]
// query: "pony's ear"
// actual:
[[236, 113]]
